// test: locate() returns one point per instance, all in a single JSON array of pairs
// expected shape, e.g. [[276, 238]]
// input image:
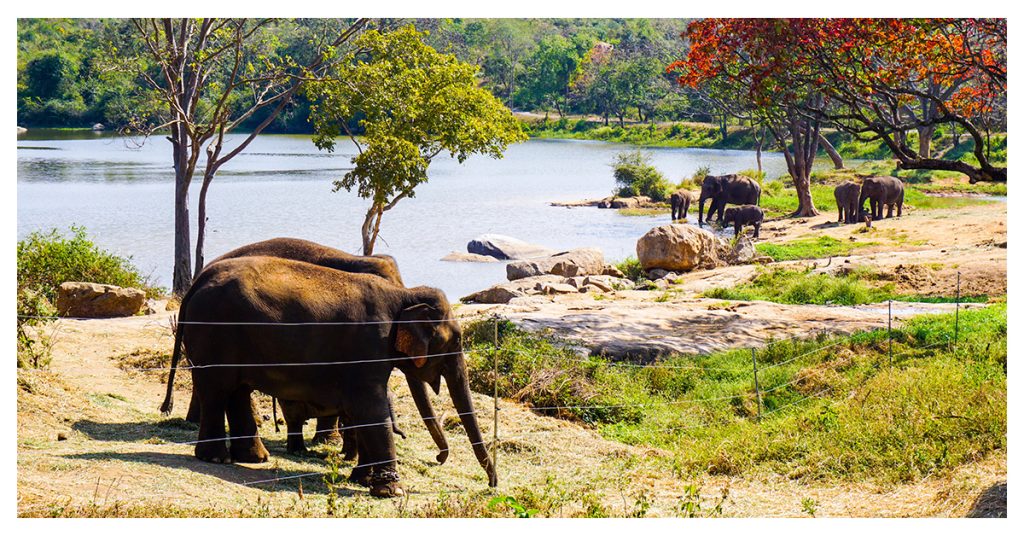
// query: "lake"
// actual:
[[121, 191]]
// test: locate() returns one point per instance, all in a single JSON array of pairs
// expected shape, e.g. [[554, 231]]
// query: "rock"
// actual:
[[98, 126], [458, 256], [172, 304], [577, 262], [496, 294], [62, 436], [556, 288], [657, 274], [505, 247], [607, 283], [22, 130], [742, 252], [93, 300], [677, 247], [149, 308], [612, 271]]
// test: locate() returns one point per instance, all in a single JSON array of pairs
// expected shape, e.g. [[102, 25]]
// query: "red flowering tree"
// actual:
[[878, 79]]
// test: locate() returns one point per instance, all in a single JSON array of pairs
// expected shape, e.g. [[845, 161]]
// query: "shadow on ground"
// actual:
[[270, 478], [991, 502], [173, 430]]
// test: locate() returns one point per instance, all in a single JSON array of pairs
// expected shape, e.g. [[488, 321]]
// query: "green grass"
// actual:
[[833, 408], [809, 248]]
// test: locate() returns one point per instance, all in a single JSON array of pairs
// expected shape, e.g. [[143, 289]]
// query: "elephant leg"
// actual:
[[757, 230], [377, 464], [212, 445], [246, 446], [193, 408], [295, 418], [890, 205], [686, 209], [840, 213], [736, 228], [349, 444], [326, 431]]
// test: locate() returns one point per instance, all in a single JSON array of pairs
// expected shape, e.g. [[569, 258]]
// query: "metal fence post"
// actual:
[[757, 386], [890, 333], [494, 448], [956, 322]]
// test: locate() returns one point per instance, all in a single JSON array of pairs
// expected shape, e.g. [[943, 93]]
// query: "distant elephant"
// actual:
[[882, 192], [383, 266], [726, 189], [680, 201], [744, 215], [847, 198], [266, 310]]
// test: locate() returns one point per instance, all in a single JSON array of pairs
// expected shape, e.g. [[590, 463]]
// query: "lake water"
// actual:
[[122, 193]]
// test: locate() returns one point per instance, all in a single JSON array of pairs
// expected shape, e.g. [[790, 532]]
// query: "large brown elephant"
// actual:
[[726, 189], [303, 332], [383, 266], [847, 197], [882, 192], [680, 201]]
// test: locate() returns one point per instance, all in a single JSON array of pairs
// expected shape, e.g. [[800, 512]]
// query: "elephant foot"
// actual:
[[360, 475], [213, 452], [253, 452], [349, 453], [442, 456], [326, 438], [384, 483]]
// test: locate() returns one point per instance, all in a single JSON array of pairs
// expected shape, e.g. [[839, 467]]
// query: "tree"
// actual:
[[413, 103], [549, 71], [212, 75], [752, 62]]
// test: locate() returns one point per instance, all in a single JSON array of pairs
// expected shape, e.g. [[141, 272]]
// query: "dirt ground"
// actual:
[[91, 440]]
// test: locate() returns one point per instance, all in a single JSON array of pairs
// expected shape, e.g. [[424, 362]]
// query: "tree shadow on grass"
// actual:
[[174, 430], [269, 478], [991, 502]]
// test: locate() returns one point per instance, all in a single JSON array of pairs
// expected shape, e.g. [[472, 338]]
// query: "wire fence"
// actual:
[[756, 375]]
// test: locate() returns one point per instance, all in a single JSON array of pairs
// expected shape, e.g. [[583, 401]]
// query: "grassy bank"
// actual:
[[824, 417], [793, 286]]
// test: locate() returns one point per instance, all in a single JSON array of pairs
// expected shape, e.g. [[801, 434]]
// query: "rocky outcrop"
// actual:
[[98, 127], [93, 300], [506, 248], [458, 256], [547, 285], [577, 262], [22, 130], [678, 248]]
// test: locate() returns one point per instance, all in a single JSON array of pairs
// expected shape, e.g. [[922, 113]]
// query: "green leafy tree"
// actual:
[[549, 72], [413, 103]]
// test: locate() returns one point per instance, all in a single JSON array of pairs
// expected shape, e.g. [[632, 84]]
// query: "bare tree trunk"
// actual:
[[182, 277], [837, 160], [924, 140], [760, 145], [201, 225]]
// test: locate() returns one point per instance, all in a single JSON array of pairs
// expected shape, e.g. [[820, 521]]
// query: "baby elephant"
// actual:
[[744, 215], [296, 414], [680, 201]]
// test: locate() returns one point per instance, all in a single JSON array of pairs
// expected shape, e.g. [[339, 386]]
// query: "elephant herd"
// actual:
[[879, 192], [883, 194], [321, 330], [721, 191]]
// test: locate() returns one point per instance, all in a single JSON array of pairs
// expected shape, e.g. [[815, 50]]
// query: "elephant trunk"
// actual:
[[418, 388], [458, 388]]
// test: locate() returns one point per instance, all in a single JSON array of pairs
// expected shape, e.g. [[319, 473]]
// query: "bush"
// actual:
[[632, 269], [634, 175], [45, 260]]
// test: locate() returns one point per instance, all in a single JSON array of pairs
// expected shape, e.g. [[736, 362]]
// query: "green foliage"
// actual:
[[634, 175], [45, 260], [35, 343], [783, 285], [513, 504], [413, 104], [632, 269]]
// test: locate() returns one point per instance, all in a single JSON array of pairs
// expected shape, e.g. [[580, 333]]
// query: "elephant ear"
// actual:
[[411, 335]]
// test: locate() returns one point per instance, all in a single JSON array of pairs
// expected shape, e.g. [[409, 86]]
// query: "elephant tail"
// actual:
[[168, 404], [276, 428]]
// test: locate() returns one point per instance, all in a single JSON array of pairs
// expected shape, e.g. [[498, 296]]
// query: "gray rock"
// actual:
[[93, 300], [576, 262], [98, 126], [556, 288], [612, 271], [608, 283], [505, 247], [149, 308], [458, 256], [496, 294]]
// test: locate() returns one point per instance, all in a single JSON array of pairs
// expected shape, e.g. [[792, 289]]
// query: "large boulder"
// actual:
[[505, 292], [458, 256], [506, 248], [94, 300], [678, 248], [624, 202], [577, 262]]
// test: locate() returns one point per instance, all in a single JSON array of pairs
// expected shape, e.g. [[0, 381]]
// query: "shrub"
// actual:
[[632, 269], [45, 260], [634, 175]]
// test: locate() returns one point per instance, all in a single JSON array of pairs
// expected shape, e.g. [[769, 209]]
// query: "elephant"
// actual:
[[731, 189], [383, 266], [680, 201], [744, 215], [847, 196], [247, 323], [295, 416], [882, 192]]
